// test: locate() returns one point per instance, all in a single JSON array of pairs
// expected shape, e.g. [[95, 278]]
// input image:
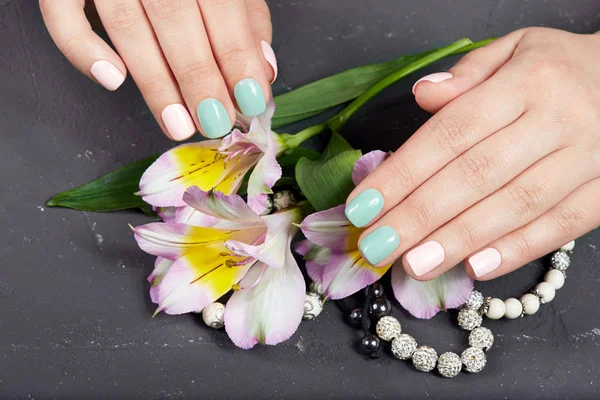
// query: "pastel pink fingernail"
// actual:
[[107, 75], [434, 78], [178, 122], [485, 261], [425, 257], [270, 57]]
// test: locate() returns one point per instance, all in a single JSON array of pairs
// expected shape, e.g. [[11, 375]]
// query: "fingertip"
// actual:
[[433, 78], [178, 123], [107, 75]]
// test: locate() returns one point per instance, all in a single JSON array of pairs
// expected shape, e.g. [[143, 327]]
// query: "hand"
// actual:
[[196, 55], [507, 170]]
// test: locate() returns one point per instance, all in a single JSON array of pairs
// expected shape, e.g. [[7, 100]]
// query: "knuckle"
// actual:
[[476, 170], [154, 84], [236, 55], [547, 70], [566, 220], [122, 17], [420, 214], [522, 246], [168, 9], [197, 75], [214, 3], [449, 133], [524, 199], [468, 236], [399, 176], [259, 10], [70, 46]]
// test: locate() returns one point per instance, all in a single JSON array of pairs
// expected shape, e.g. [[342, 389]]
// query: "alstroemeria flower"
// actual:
[[224, 244], [219, 164], [333, 260]]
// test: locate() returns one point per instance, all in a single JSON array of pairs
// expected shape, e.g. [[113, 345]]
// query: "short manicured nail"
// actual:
[[213, 118], [485, 261], [107, 75], [425, 257], [364, 207], [178, 122], [379, 244], [434, 78], [269, 55], [250, 97]]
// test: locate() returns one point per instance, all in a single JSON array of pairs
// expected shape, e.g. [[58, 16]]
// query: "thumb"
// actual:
[[432, 92]]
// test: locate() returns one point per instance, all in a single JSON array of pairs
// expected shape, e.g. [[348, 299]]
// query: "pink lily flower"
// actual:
[[225, 245], [333, 260], [219, 165]]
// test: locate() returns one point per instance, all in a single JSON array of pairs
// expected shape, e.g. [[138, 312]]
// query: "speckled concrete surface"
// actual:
[[74, 314]]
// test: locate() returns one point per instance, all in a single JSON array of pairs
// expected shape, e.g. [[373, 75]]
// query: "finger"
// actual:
[[260, 23], [575, 216], [521, 201], [448, 134], [239, 60], [471, 177], [181, 33], [434, 91], [130, 31], [73, 35]]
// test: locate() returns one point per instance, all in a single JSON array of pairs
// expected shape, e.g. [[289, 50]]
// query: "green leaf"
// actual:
[[111, 192], [327, 182], [291, 159]]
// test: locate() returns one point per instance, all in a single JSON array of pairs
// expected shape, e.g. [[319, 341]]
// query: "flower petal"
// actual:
[[193, 164], [347, 273], [269, 312], [331, 228], [425, 299], [264, 176], [161, 267], [316, 258], [167, 214], [367, 164]]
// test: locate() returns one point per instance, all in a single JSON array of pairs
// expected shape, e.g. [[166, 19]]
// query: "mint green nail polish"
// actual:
[[250, 97], [364, 207], [213, 118], [379, 244]]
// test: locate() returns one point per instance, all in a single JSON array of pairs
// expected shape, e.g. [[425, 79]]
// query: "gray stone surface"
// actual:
[[75, 319]]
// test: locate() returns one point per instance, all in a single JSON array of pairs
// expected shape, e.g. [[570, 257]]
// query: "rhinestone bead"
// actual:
[[317, 288], [469, 319], [475, 301], [474, 359], [482, 338], [404, 346], [424, 358], [312, 306], [388, 328], [449, 365], [213, 315], [560, 261]]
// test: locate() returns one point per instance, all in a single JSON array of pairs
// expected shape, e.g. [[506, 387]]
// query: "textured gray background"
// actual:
[[75, 320]]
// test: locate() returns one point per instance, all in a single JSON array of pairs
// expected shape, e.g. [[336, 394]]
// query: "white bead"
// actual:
[[531, 303], [496, 309], [317, 288], [569, 246], [555, 278], [313, 305], [213, 314], [514, 308], [546, 290]]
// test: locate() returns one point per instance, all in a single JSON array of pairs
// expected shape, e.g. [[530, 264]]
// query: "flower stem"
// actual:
[[338, 120], [293, 141]]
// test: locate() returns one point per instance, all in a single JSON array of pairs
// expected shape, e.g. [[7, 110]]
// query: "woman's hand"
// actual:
[[205, 56], [507, 170]]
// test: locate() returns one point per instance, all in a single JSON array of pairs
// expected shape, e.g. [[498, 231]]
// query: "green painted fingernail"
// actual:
[[213, 118], [250, 97], [364, 207], [379, 244]]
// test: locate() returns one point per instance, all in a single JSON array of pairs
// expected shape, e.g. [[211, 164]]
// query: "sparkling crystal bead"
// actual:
[[469, 319], [449, 365], [317, 288], [475, 301], [388, 328], [482, 338], [404, 346], [213, 315], [424, 358], [560, 261], [312, 306], [474, 359]]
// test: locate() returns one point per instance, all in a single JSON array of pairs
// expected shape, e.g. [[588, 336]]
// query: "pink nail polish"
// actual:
[[425, 257], [485, 261], [178, 122], [269, 55], [434, 78], [107, 75]]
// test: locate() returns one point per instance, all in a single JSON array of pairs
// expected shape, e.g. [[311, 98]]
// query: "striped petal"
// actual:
[[425, 299], [263, 119], [367, 164], [316, 258], [331, 228], [161, 267], [347, 273], [271, 311], [264, 176]]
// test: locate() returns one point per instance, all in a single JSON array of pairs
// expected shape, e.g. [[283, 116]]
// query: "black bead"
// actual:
[[377, 289], [355, 317], [370, 343], [380, 307]]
